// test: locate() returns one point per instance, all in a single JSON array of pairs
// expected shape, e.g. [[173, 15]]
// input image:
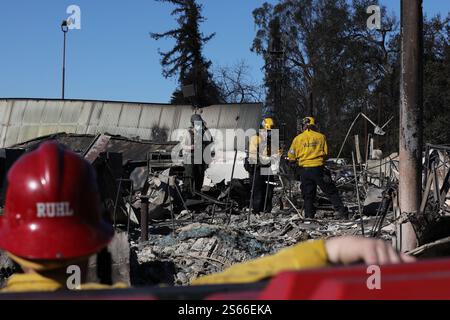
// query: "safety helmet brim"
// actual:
[[309, 121], [65, 238]]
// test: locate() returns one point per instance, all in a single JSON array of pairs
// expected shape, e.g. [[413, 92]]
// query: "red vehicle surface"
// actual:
[[424, 280]]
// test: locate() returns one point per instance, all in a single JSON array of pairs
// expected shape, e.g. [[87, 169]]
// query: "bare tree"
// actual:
[[236, 85]]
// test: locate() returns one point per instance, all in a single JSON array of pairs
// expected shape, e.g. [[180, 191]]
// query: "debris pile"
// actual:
[[210, 240], [209, 245], [190, 235], [7, 268]]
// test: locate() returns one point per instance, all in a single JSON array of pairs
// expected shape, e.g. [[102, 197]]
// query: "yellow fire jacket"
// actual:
[[309, 149], [306, 255], [258, 150], [38, 283]]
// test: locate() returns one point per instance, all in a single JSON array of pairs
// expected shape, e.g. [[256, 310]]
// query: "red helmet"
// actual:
[[52, 207]]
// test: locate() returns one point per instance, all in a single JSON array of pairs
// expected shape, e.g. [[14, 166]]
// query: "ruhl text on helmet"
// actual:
[[53, 209]]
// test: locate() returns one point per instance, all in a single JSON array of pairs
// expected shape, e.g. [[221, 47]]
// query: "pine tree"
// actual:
[[186, 59]]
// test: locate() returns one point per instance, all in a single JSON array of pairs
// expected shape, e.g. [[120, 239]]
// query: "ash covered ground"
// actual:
[[200, 243]]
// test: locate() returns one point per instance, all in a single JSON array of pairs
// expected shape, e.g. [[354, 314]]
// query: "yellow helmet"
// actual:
[[309, 120], [268, 124]]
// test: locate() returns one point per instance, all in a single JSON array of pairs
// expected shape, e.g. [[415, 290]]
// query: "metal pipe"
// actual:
[[252, 194], [130, 198], [357, 193], [232, 172], [427, 165], [231, 182], [294, 207], [411, 117], [172, 216], [389, 121], [438, 147], [144, 219], [368, 119], [287, 197], [119, 189], [348, 133], [64, 29], [385, 204], [267, 192], [182, 200]]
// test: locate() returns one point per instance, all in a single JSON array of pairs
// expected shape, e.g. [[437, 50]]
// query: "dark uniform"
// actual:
[[194, 169]]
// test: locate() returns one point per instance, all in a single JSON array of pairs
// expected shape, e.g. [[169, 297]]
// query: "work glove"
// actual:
[[264, 160]]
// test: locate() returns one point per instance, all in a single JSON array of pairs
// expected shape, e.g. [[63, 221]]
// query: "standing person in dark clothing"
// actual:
[[196, 140], [309, 151]]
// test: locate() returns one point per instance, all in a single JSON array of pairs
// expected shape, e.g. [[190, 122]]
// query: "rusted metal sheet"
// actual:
[[98, 146]]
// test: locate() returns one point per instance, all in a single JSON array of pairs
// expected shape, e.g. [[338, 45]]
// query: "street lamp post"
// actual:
[[64, 29]]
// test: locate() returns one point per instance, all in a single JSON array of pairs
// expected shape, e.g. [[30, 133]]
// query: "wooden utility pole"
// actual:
[[411, 112]]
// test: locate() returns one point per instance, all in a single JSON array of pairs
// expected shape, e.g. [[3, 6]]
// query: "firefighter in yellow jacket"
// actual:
[[309, 151], [258, 165], [52, 220]]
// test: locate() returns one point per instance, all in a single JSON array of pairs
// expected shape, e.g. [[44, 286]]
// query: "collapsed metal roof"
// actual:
[[131, 150]]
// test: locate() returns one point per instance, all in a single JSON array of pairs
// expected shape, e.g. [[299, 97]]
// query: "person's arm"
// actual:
[[351, 249], [208, 143], [307, 255], [292, 152], [208, 137], [253, 149], [187, 142], [311, 254]]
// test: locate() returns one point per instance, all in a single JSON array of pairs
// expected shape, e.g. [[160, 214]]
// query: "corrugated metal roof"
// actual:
[[26, 119]]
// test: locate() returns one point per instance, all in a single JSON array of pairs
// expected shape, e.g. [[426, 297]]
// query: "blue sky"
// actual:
[[113, 57]]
